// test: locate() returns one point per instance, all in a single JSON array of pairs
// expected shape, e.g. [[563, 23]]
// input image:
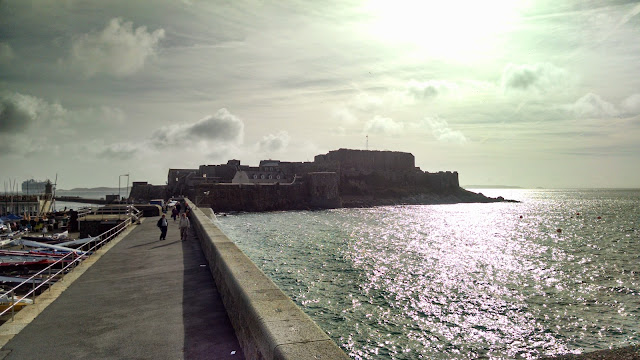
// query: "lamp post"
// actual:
[[119, 176]]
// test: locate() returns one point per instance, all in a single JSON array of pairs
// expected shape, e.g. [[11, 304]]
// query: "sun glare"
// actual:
[[447, 29]]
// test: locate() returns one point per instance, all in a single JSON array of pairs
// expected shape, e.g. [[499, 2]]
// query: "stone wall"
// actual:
[[142, 192], [444, 181], [302, 168], [365, 162], [268, 324], [221, 173], [324, 191], [252, 197]]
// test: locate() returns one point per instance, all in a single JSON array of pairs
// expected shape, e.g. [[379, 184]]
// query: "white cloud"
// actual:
[[541, 77], [6, 53], [118, 49], [223, 126], [593, 106], [366, 102], [631, 105], [383, 125], [345, 116], [441, 131], [274, 142]]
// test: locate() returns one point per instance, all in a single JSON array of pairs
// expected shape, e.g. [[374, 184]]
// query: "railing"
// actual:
[[85, 210], [63, 265]]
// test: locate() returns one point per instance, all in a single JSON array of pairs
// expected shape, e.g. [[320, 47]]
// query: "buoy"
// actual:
[[559, 230]]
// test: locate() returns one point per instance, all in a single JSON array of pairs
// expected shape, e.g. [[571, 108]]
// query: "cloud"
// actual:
[[274, 142], [541, 77], [6, 53], [117, 50], [631, 105], [221, 127], [119, 151], [383, 125], [344, 116], [441, 131], [18, 112], [430, 89], [366, 102], [593, 106]]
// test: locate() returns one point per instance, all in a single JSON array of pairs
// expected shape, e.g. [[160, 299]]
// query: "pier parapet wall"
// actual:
[[315, 190], [141, 191], [267, 322]]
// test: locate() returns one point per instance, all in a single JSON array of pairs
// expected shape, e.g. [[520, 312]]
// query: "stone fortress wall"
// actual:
[[323, 183]]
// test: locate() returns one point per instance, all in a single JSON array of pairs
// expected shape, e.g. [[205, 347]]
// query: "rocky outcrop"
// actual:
[[430, 198]]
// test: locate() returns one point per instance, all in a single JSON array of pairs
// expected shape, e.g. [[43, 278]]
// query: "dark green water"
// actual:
[[462, 281]]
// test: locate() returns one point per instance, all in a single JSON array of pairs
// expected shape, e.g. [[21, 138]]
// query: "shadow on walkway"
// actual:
[[201, 309]]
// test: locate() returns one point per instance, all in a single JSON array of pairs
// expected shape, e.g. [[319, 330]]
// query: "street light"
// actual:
[[119, 198]]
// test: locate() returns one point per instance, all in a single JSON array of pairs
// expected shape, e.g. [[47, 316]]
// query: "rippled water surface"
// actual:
[[462, 281]]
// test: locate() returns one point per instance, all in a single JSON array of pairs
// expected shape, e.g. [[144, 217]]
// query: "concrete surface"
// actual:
[[268, 324], [144, 299]]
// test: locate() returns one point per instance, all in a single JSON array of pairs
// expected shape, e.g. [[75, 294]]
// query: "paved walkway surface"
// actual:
[[144, 299]]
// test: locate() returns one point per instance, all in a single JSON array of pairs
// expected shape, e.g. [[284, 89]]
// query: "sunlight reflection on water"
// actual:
[[460, 281]]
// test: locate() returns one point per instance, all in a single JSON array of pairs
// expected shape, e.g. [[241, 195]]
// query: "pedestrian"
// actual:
[[163, 224], [184, 226], [178, 207], [174, 213]]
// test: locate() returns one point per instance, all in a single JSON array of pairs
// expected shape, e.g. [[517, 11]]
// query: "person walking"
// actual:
[[163, 224], [174, 213], [184, 226]]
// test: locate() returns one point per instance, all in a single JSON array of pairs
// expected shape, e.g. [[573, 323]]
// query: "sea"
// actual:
[[558, 272]]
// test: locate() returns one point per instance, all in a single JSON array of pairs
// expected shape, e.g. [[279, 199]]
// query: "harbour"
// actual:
[[467, 277], [496, 307]]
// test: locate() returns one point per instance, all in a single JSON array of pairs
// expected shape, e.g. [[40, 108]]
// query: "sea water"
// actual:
[[558, 272]]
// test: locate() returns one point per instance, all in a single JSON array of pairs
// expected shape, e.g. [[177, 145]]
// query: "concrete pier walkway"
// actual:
[[143, 299]]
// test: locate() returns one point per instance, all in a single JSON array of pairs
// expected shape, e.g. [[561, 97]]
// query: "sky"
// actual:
[[531, 93]]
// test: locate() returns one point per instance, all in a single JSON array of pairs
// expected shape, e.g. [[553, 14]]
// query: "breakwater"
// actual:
[[267, 323], [77, 199]]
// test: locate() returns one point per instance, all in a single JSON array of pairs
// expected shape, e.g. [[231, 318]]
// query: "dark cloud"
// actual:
[[119, 151], [541, 77], [6, 53], [222, 126], [429, 89], [14, 115]]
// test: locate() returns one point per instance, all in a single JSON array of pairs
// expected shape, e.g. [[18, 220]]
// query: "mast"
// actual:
[[53, 196]]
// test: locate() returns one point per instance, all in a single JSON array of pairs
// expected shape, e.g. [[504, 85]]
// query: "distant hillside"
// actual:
[[96, 189], [490, 187]]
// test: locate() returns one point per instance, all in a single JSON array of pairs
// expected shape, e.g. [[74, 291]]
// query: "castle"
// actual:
[[339, 178]]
